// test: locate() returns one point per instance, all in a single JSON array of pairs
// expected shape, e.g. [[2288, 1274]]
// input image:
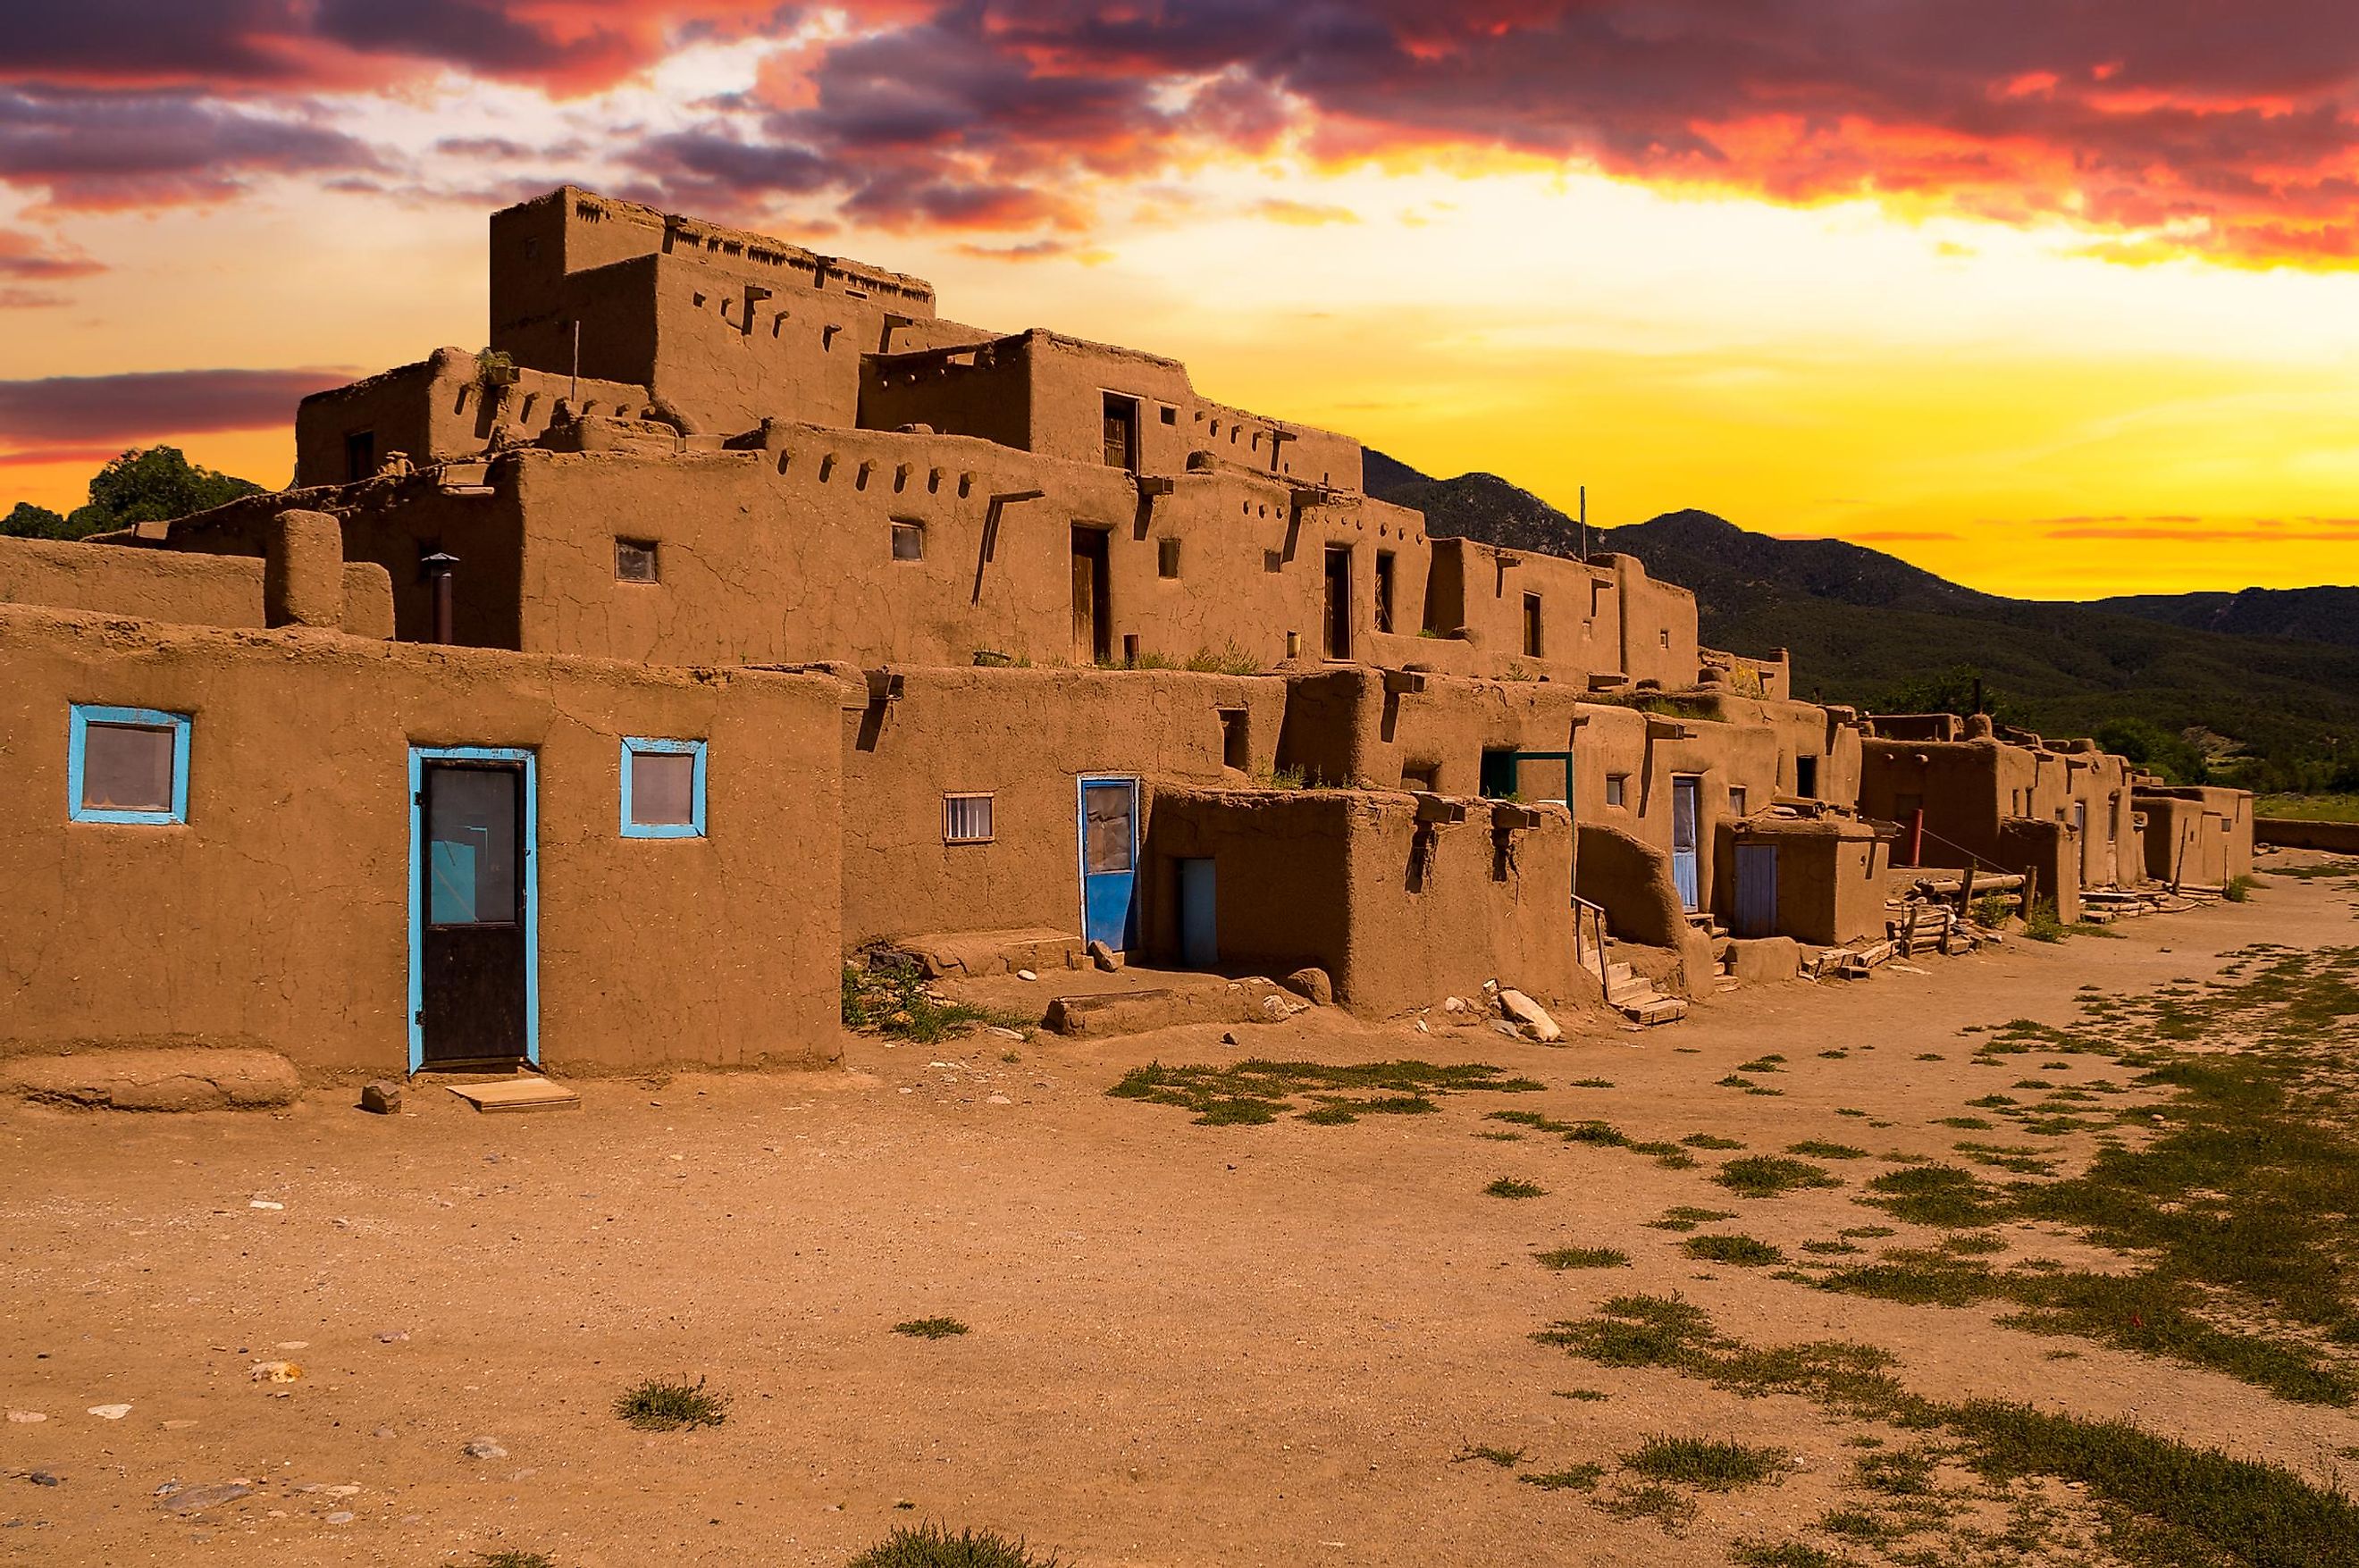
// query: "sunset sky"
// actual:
[[2057, 297]]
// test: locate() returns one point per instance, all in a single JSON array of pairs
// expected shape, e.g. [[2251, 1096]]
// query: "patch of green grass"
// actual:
[[2239, 889], [1941, 1195], [1896, 1473], [1741, 1251], [661, 1404], [1593, 1082], [894, 999], [1256, 1092], [1515, 1187], [1504, 1458], [1712, 1464], [1591, 1395], [1770, 1176], [1963, 1124], [934, 1546], [1711, 1140], [511, 1558], [1562, 1257], [1666, 1506], [2169, 1502], [1773, 1062], [1857, 1524], [931, 1328], [1818, 1148], [1784, 1554], [1686, 1216], [1572, 1478], [1831, 1248]]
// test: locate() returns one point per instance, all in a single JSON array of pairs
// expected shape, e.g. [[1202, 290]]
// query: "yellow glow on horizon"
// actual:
[[1944, 390]]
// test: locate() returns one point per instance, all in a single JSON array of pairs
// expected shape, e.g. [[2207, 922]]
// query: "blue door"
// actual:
[[1757, 889], [1109, 859], [1685, 799]]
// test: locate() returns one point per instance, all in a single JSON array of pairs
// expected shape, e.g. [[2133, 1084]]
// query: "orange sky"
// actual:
[[2053, 300]]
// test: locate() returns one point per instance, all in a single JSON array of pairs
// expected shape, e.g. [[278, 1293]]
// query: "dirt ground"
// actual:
[[1189, 1345]]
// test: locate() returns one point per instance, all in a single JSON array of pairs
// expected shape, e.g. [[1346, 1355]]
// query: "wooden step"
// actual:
[[1661, 1010]]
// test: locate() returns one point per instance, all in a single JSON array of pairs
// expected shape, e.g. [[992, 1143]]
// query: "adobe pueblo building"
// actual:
[[589, 700]]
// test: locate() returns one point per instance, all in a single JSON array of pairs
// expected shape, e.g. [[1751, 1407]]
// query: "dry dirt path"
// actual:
[[1189, 1345]]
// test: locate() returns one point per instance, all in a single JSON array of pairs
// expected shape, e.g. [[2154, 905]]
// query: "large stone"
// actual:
[[1531, 1016], [1105, 957], [1765, 960], [178, 1079], [196, 1499], [383, 1097], [1312, 985]]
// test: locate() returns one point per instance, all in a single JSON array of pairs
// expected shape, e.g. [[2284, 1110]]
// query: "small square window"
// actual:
[[1666, 635], [1735, 801], [966, 818], [663, 787], [1166, 558], [1171, 416], [126, 765], [634, 560], [909, 541], [1617, 788]]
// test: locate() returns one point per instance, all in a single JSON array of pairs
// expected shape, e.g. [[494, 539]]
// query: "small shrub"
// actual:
[[1743, 1251], [1574, 1478], [934, 1546], [661, 1405], [2040, 923], [1710, 1141], [1712, 1464], [1769, 1175], [1563, 1257], [1504, 1458], [2239, 889], [1510, 1187], [1818, 1148], [931, 1328], [515, 1559]]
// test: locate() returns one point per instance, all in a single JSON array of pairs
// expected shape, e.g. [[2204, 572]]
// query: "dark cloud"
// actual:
[[24, 255], [115, 149], [82, 409]]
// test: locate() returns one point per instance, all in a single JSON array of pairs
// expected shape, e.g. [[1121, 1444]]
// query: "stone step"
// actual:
[[1661, 1010], [1630, 988]]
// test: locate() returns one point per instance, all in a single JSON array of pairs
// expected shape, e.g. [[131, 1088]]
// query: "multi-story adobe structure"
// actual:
[[587, 699]]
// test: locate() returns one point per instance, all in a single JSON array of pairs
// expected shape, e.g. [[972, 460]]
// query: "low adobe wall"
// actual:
[[203, 590], [278, 916], [1398, 914], [2295, 833]]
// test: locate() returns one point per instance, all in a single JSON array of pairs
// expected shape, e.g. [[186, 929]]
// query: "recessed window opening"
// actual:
[[1421, 776], [1532, 626], [966, 818], [663, 787], [634, 560], [359, 454], [1166, 558], [1237, 750], [1666, 635], [1121, 431], [1617, 788], [1805, 777], [1171, 416], [1383, 591], [908, 540], [127, 766], [1736, 798]]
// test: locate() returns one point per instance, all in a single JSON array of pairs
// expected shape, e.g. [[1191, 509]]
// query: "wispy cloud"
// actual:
[[84, 413]]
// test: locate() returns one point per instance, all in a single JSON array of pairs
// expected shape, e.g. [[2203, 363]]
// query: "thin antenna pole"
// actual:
[[573, 386], [1584, 522]]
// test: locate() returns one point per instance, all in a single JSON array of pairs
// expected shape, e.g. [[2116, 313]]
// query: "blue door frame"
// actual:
[[1687, 809], [418, 756], [1108, 910]]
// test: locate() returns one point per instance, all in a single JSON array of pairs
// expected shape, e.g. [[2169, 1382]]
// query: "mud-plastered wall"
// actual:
[[277, 914]]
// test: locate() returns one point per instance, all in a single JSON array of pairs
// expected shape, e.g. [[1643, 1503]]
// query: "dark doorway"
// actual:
[[1092, 612], [1806, 778], [1339, 601], [473, 891], [360, 456], [1122, 432], [1533, 647]]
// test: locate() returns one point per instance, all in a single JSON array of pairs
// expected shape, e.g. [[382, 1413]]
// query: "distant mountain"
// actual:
[[1861, 625], [2318, 615]]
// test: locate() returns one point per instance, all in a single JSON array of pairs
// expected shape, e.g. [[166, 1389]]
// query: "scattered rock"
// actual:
[[382, 1097], [1105, 957], [1006, 1033], [26, 1418], [1228, 1037], [1505, 1028], [196, 1499], [382, 1431], [276, 1372], [394, 1336], [1026, 974], [109, 1412], [341, 1516], [1001, 1100], [182, 1425], [484, 1448], [1454, 1004], [1531, 1015], [1312, 985], [263, 1203], [45, 1478]]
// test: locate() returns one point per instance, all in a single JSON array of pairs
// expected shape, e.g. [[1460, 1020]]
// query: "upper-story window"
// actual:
[[126, 765], [634, 560], [1121, 431]]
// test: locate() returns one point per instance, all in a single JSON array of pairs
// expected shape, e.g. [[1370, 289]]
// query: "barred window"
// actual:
[[966, 818]]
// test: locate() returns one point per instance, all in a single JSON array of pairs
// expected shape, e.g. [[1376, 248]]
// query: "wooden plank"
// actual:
[[517, 1094]]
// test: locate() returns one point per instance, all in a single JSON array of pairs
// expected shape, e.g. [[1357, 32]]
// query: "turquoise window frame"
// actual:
[[694, 827], [84, 715]]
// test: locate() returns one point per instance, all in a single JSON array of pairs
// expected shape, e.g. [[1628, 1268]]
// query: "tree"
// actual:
[[28, 521], [2157, 750], [1952, 691], [152, 485]]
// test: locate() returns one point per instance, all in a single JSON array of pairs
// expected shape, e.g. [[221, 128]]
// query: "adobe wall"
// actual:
[[1025, 737], [395, 522], [2300, 832], [2198, 833], [278, 916], [167, 585], [1398, 915], [1631, 881], [440, 409], [1831, 875]]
